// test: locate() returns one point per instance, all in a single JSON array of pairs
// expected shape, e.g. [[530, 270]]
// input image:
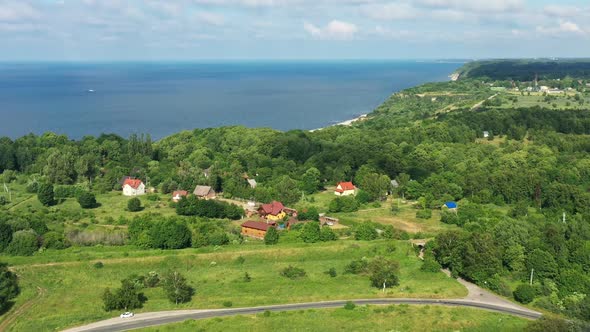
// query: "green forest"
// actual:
[[520, 175]]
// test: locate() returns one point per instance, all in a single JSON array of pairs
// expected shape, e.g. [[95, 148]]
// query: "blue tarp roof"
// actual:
[[451, 205]]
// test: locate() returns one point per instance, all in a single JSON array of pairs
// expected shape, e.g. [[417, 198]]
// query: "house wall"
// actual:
[[255, 233], [279, 216], [345, 193], [129, 191]]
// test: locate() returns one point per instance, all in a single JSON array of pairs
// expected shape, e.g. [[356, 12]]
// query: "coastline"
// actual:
[[359, 118]]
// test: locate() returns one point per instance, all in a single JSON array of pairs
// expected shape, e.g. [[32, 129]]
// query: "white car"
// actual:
[[126, 315]]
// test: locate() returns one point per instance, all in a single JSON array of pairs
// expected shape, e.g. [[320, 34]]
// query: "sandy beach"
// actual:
[[361, 117]]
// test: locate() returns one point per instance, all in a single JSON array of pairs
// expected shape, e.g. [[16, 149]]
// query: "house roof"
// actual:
[[180, 193], [202, 190], [261, 226], [273, 208], [394, 183], [133, 183], [451, 205], [345, 186]]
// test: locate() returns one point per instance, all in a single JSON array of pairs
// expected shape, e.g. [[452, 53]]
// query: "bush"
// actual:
[[327, 234], [293, 272], [357, 266], [365, 231], [87, 200], [332, 272], [33, 187], [344, 204], [152, 279], [548, 324], [349, 305], [524, 293], [271, 237], [54, 240], [227, 304], [311, 232], [310, 213], [3, 200], [134, 205], [98, 265], [430, 265], [24, 243], [424, 214], [247, 277], [46, 195], [8, 286]]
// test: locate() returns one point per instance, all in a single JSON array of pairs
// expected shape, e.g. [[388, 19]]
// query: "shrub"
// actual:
[[271, 237], [424, 214], [247, 277], [227, 304], [87, 200], [54, 240], [357, 266], [98, 265], [152, 279], [524, 293], [327, 234], [33, 187], [3, 201], [349, 305], [240, 260], [46, 195], [311, 232], [365, 231], [293, 272], [24, 243], [134, 205], [332, 272], [430, 265], [310, 213]]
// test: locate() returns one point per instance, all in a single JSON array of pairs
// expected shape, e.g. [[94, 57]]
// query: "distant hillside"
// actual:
[[525, 70]]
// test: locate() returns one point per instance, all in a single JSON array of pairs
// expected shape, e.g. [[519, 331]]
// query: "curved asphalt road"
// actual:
[[167, 317]]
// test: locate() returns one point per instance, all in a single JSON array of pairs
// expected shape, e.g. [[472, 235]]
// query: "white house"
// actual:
[[133, 187], [345, 189]]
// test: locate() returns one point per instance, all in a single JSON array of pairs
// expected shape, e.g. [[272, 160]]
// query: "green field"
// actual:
[[561, 101], [371, 318], [70, 290]]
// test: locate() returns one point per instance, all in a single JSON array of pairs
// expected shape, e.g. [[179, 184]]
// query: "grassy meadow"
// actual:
[[70, 287], [365, 318]]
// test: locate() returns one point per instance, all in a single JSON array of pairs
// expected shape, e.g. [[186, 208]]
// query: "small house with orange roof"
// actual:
[[133, 187], [345, 189], [178, 195]]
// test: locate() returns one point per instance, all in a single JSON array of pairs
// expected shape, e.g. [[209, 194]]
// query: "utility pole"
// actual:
[[531, 280], [384, 285], [8, 191], [563, 218]]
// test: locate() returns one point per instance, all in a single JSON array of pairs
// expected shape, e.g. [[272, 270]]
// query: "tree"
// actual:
[[46, 195], [311, 232], [87, 200], [271, 237], [543, 263], [24, 243], [54, 240], [310, 182], [524, 293], [176, 288], [125, 298], [8, 286], [5, 235], [383, 273], [169, 234], [134, 205]]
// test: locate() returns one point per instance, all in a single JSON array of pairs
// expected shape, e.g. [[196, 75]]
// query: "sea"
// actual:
[[79, 99]]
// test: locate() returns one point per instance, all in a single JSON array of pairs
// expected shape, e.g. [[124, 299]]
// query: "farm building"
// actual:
[[272, 211], [345, 189], [255, 229], [179, 194], [133, 187], [205, 192]]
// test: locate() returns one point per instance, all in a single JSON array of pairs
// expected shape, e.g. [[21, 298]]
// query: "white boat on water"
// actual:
[[90, 90]]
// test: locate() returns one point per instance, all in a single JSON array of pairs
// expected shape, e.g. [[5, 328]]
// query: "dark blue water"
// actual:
[[164, 98]]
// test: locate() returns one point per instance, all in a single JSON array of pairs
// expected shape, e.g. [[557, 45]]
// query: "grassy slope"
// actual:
[[391, 318], [73, 289]]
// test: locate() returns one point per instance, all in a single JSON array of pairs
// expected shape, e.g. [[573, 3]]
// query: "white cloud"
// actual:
[[210, 18], [12, 11], [337, 30], [390, 11], [564, 27], [484, 6]]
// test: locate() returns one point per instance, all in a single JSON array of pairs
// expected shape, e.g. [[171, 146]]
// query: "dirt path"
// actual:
[[14, 315], [21, 202], [478, 105]]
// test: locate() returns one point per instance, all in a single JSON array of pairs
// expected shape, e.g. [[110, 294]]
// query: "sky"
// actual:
[[88, 30]]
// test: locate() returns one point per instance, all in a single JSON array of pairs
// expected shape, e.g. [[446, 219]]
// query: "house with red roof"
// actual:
[[345, 189], [133, 187], [178, 195], [255, 229], [272, 211]]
